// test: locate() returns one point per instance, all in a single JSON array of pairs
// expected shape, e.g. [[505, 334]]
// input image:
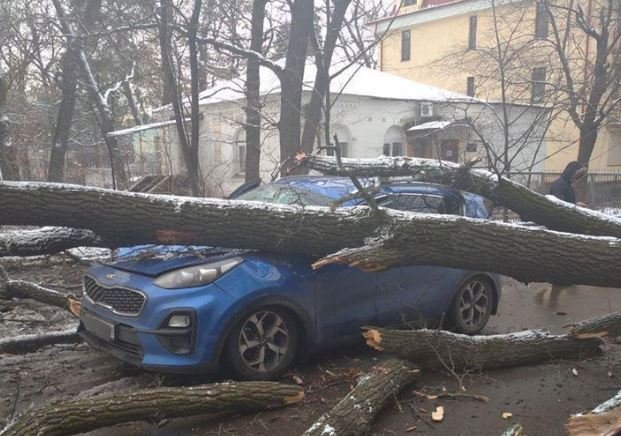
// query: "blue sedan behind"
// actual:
[[194, 309]]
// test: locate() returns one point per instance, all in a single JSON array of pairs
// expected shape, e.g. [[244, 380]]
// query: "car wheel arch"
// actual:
[[305, 326]]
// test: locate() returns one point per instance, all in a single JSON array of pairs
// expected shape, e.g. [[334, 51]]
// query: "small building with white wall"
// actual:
[[373, 113]]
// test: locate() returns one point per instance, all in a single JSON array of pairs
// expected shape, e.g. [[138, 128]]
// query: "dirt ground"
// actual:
[[540, 397]]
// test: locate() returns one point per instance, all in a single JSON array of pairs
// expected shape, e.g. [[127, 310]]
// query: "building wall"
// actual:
[[439, 57]]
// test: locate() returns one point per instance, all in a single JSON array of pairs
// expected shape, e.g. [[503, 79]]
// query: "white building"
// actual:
[[373, 113]]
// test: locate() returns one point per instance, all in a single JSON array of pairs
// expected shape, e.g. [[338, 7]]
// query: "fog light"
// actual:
[[179, 321]]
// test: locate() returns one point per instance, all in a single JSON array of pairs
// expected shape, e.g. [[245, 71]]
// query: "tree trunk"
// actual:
[[530, 205], [56, 171], [436, 349], [604, 420], [8, 164], [104, 114], [289, 125], [83, 415], [527, 254], [253, 95], [47, 240], [353, 415], [165, 41], [323, 60], [193, 164], [30, 343]]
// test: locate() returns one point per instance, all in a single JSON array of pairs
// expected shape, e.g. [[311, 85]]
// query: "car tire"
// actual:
[[263, 344], [472, 306]]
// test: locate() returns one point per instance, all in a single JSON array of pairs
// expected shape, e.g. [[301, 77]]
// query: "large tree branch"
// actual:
[[531, 206], [47, 240], [525, 253], [83, 415], [438, 348]]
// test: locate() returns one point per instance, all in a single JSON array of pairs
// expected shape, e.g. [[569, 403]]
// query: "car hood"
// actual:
[[154, 260]]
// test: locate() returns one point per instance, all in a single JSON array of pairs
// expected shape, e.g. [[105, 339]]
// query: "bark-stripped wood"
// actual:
[[22, 289], [530, 205], [29, 343], [604, 420], [47, 240], [353, 415], [437, 348], [83, 415], [524, 253]]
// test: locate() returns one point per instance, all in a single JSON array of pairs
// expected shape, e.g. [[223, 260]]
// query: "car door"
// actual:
[[345, 301], [420, 291]]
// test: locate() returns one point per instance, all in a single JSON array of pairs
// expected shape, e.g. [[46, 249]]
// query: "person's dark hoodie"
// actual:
[[561, 187]]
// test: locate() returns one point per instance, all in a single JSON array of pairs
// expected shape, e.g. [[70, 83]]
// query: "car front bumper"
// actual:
[[145, 339]]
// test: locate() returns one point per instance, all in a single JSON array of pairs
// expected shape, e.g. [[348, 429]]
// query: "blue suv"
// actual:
[[194, 309]]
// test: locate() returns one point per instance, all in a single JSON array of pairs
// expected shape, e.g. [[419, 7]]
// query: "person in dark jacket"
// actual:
[[561, 187]]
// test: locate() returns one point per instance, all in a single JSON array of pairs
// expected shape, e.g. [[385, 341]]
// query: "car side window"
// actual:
[[415, 203]]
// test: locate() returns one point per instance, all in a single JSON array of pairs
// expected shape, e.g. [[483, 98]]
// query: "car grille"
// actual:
[[119, 300]]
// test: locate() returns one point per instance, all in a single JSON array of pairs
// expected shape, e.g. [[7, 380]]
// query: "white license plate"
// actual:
[[98, 327]]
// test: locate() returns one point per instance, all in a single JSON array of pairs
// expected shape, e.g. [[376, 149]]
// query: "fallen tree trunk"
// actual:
[[22, 289], [530, 205], [124, 218], [84, 415], [604, 420], [29, 343], [437, 348], [47, 240], [353, 415]]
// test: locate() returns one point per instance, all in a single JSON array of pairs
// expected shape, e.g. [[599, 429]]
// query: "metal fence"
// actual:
[[603, 188]]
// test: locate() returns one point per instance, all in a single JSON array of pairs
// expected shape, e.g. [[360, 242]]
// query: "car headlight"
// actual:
[[196, 275]]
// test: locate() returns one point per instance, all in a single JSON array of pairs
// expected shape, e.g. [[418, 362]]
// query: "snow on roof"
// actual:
[[142, 127], [431, 125], [354, 80]]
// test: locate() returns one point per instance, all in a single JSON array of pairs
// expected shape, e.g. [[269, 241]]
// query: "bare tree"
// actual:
[[589, 81]]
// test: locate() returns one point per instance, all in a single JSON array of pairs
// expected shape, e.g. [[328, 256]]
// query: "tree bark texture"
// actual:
[[323, 60], [64, 120], [165, 40], [530, 205], [253, 95], [30, 343], [84, 415], [47, 240], [8, 165], [22, 289], [291, 80], [103, 112], [393, 238], [437, 349], [353, 415], [604, 420]]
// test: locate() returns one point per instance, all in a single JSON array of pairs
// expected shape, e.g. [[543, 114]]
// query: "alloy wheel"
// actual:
[[474, 303], [263, 341]]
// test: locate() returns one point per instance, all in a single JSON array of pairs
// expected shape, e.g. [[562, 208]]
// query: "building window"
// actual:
[[538, 87], [472, 33], [541, 20], [409, 2], [240, 151], [405, 45], [470, 86], [393, 142]]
